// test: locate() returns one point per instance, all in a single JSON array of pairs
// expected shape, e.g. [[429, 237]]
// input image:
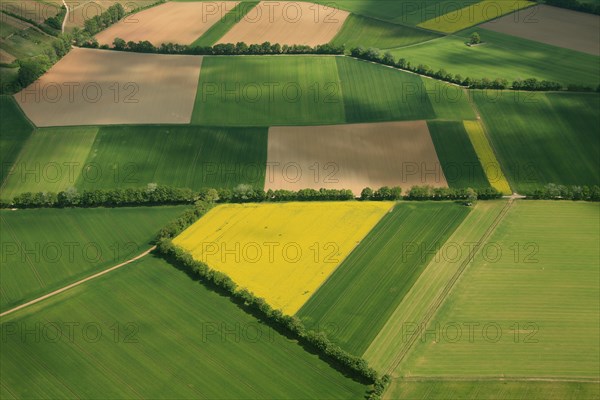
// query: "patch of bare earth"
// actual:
[[287, 22], [352, 157], [6, 57], [172, 22], [103, 87], [552, 25]]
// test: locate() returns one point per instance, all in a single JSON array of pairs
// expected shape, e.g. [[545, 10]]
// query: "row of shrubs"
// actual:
[[439, 193], [45, 27], [154, 194], [561, 192], [531, 84], [291, 325], [239, 48]]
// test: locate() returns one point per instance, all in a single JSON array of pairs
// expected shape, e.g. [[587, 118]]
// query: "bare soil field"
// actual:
[[104, 87], [552, 25], [174, 22], [352, 157], [287, 22]]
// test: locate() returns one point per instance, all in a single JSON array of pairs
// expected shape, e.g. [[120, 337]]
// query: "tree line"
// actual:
[[231, 49], [562, 192], [387, 58], [154, 194]]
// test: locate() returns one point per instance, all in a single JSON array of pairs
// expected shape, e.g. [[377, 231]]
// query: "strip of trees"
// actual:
[[562, 192], [231, 49], [154, 194], [531, 84]]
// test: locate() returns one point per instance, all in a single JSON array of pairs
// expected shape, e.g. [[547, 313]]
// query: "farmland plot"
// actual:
[[101, 87], [552, 25], [172, 22], [531, 299], [542, 138], [69, 244], [149, 331], [352, 157], [287, 23]]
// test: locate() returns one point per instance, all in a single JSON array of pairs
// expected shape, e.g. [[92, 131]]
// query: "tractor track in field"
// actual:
[[79, 282], [450, 285]]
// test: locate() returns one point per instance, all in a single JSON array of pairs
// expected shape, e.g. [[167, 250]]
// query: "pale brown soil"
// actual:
[[6, 57], [287, 22], [172, 22], [352, 157], [103, 87], [551, 25]]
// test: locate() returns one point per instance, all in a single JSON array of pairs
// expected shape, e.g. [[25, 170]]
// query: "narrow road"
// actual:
[[72, 285]]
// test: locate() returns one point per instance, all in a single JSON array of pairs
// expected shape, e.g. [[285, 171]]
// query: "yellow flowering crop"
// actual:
[[486, 156], [282, 252]]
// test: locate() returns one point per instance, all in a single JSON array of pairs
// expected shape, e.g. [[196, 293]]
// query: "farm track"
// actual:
[[72, 285], [448, 288]]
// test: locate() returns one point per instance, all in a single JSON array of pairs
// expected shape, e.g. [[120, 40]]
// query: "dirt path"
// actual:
[[72, 285], [66, 16]]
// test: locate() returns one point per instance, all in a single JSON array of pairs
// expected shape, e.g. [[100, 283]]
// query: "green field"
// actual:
[[359, 297], [543, 138], [458, 158], [180, 156], [486, 390], [461, 18], [155, 333], [69, 244], [449, 102], [268, 90], [318, 90], [376, 93], [216, 32], [400, 11], [369, 32], [398, 334], [26, 43], [14, 131], [534, 293], [51, 160], [504, 56]]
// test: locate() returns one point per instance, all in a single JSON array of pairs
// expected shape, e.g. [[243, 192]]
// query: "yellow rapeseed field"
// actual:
[[486, 156], [282, 252], [458, 19]]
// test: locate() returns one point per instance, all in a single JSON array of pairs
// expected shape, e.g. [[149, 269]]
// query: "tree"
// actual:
[[366, 194], [475, 38], [471, 196], [32, 69], [119, 44]]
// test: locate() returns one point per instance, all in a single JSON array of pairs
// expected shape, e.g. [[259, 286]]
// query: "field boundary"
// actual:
[[72, 285]]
